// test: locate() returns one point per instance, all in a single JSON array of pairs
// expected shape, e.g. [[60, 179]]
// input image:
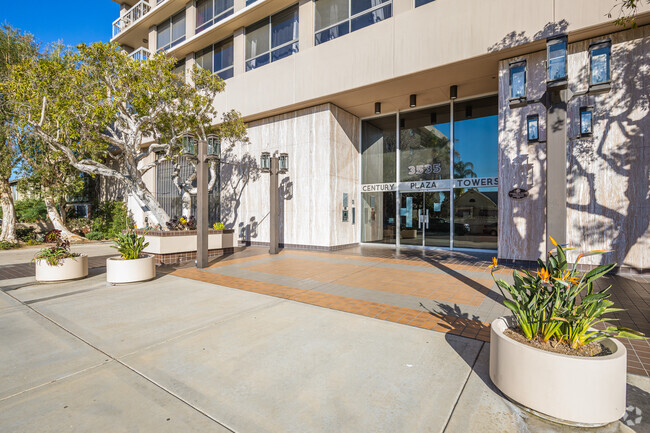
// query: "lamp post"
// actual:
[[274, 165], [208, 150]]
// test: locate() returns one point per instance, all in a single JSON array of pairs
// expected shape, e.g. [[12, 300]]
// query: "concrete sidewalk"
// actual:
[[180, 355]]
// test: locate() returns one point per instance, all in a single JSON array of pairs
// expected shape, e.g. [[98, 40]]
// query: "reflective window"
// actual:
[[217, 58], [599, 58], [180, 68], [378, 217], [250, 2], [518, 80], [378, 150], [476, 138], [586, 121], [336, 18], [422, 2], [557, 63], [209, 12], [476, 218], [171, 32], [424, 144], [533, 128], [272, 38]]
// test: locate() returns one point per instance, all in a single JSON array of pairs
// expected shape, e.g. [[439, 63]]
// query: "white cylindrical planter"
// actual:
[[71, 268], [120, 271], [575, 390]]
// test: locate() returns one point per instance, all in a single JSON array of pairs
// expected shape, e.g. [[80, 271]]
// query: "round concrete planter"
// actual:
[[571, 390], [71, 268], [120, 271]]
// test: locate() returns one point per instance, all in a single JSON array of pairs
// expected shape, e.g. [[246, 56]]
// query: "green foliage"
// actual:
[[111, 218], [627, 11], [33, 242], [182, 224], [95, 236], [8, 245], [54, 255], [30, 210], [130, 245], [218, 226], [548, 303], [26, 234]]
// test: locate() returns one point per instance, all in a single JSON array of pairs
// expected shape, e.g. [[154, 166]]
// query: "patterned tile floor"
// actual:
[[437, 290], [21, 270]]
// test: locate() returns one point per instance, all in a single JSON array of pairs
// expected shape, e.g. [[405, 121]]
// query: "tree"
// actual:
[[627, 11], [109, 114], [15, 47]]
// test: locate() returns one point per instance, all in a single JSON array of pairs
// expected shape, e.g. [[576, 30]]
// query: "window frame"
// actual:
[[215, 18], [269, 52], [511, 66], [532, 118], [211, 48], [349, 19], [585, 109], [604, 43], [172, 43], [550, 43]]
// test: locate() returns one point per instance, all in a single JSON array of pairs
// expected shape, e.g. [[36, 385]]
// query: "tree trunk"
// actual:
[[63, 212], [57, 221], [148, 203], [8, 212], [186, 203]]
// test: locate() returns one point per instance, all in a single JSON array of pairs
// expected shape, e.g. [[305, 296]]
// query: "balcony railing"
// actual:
[[140, 54], [134, 14]]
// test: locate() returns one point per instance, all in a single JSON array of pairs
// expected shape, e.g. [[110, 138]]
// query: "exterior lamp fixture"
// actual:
[[214, 147], [265, 162], [283, 163], [434, 118], [518, 81], [533, 128], [599, 63], [412, 100], [189, 145], [468, 111], [586, 121], [556, 54], [453, 92], [377, 107]]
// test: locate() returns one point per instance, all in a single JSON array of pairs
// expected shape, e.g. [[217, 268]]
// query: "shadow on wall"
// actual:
[[236, 174], [513, 38]]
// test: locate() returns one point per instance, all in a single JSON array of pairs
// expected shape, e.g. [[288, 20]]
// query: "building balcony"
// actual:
[[140, 54], [133, 15]]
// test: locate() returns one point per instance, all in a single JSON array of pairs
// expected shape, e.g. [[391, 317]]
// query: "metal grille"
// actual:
[[170, 199]]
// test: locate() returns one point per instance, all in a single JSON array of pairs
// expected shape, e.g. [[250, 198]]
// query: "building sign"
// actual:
[[424, 169], [518, 193], [432, 185]]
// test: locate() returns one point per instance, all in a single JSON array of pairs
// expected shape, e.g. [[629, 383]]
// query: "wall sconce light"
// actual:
[[434, 118], [265, 162], [214, 147], [586, 121], [533, 128], [453, 92], [412, 100], [283, 163], [377, 107], [189, 145], [468, 111]]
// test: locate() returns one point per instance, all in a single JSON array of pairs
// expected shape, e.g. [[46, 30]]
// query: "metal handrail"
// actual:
[[140, 54], [139, 10]]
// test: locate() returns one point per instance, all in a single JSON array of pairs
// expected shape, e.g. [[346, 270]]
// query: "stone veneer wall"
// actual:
[[608, 204], [323, 164]]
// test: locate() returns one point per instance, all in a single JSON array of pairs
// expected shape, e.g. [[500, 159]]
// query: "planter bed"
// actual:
[[170, 247], [71, 268], [120, 271]]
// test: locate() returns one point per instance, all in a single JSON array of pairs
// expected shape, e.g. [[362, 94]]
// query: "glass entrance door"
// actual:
[[424, 219]]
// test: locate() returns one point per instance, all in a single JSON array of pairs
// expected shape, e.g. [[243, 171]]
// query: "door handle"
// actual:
[[427, 219]]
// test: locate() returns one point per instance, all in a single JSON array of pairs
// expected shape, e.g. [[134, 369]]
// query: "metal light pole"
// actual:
[[274, 165], [202, 206]]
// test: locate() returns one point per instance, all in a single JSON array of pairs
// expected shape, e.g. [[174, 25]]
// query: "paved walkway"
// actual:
[[436, 290], [179, 355]]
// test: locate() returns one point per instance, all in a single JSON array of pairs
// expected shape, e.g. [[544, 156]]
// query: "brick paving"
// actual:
[[22, 270], [443, 291]]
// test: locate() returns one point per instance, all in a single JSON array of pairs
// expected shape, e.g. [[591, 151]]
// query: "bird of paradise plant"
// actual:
[[547, 304]]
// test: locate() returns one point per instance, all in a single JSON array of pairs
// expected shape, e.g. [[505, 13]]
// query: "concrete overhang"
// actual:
[[135, 35]]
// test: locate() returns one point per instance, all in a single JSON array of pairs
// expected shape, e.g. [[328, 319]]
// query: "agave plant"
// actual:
[[130, 245], [547, 304]]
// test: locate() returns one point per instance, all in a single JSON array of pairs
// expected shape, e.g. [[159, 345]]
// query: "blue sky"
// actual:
[[70, 22]]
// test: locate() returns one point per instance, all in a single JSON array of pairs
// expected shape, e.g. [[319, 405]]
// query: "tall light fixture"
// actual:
[[412, 101], [377, 107], [453, 92]]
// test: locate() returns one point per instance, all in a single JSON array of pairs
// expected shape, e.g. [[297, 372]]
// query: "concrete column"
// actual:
[[305, 24], [189, 65], [556, 167], [239, 51], [202, 206], [400, 6], [239, 5], [153, 39], [190, 20], [124, 8]]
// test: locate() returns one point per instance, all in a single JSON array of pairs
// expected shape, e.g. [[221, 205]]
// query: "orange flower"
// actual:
[[544, 274], [494, 263]]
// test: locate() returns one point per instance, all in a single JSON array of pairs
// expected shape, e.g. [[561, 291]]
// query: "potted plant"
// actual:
[[58, 263], [131, 266], [549, 357]]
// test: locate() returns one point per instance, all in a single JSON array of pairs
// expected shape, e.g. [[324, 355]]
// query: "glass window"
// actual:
[[533, 128], [378, 217], [336, 18], [424, 144], [599, 57], [217, 58], [210, 12], [171, 32], [180, 68], [378, 150], [250, 2], [272, 38], [518, 80], [557, 65], [476, 138], [476, 218], [419, 3], [586, 121]]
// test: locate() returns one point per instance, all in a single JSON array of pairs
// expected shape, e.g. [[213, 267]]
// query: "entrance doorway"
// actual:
[[425, 218]]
